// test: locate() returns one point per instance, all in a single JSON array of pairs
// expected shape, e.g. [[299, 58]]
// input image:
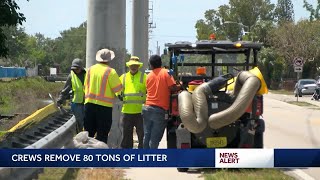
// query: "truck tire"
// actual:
[[182, 169], [258, 137], [171, 141], [258, 140]]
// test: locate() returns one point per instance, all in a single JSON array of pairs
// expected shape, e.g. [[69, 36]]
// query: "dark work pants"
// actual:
[[128, 122], [97, 119], [154, 124], [78, 112]]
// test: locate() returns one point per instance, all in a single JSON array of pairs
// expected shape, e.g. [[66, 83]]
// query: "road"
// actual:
[[287, 126], [291, 126]]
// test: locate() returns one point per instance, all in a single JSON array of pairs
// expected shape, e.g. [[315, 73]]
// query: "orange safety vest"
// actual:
[[101, 84]]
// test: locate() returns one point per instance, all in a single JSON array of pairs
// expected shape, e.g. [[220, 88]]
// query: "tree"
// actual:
[[284, 11], [16, 39], [27, 50], [9, 16], [314, 13], [244, 15], [70, 45], [298, 40]]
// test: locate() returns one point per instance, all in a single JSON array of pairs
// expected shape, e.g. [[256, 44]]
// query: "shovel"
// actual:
[[62, 111]]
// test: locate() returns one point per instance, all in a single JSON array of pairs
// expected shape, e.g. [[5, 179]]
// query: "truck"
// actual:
[[221, 104]]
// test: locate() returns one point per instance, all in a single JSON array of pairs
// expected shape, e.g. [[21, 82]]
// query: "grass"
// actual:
[[248, 174], [20, 96], [24, 96], [301, 103], [81, 174], [282, 91], [2, 133]]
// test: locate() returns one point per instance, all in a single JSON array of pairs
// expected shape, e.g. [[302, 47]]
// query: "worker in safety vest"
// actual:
[[133, 96], [101, 84], [75, 82]]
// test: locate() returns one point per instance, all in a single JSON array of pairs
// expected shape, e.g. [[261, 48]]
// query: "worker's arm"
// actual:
[[65, 92], [119, 94], [172, 84], [115, 83], [175, 87]]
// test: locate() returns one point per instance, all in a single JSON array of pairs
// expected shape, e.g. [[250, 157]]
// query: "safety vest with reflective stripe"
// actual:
[[77, 88], [134, 92], [101, 84]]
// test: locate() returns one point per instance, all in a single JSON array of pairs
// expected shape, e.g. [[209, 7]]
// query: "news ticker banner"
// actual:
[[201, 158]]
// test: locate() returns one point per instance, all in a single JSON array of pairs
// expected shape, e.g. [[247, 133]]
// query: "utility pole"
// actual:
[[106, 28], [158, 49], [140, 30], [151, 26]]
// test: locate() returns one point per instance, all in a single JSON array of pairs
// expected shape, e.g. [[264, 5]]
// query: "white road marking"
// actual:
[[301, 174]]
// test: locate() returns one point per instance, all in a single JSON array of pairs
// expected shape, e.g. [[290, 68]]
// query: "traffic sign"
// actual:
[[298, 69], [298, 62]]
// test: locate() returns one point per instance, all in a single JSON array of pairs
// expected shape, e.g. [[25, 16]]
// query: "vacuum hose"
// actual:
[[193, 108]]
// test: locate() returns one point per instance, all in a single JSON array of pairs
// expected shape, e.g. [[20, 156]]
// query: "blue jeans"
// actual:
[[154, 124], [78, 112]]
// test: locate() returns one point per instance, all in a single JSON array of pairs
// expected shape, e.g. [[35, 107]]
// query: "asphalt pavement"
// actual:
[[292, 126], [287, 126]]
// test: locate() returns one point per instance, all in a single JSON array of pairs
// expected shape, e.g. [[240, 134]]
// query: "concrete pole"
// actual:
[[106, 28], [140, 19]]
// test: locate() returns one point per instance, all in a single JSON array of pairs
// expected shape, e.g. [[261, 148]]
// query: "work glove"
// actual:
[[59, 102], [120, 97]]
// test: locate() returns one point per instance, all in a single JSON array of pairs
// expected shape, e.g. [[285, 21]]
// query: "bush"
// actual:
[[24, 95]]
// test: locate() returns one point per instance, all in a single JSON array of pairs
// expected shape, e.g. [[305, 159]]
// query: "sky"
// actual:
[[174, 20]]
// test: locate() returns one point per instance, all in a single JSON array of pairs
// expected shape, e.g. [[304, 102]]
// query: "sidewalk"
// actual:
[[155, 173], [287, 98]]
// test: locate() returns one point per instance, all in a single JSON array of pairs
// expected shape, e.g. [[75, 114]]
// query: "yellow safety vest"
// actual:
[[101, 84], [77, 88], [134, 92]]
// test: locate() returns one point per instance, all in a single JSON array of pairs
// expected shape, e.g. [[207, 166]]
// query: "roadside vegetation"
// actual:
[[22, 97], [301, 103], [282, 91], [81, 174], [248, 174]]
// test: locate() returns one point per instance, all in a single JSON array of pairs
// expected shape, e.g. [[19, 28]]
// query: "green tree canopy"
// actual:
[[229, 21], [284, 11], [9, 16], [298, 40], [314, 12]]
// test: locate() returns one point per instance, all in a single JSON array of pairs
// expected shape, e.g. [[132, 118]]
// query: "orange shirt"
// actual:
[[158, 92]]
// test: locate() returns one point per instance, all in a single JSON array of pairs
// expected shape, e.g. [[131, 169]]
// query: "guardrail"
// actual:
[[56, 139]]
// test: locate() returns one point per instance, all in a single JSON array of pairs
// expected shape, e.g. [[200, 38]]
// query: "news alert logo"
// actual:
[[244, 158], [226, 157]]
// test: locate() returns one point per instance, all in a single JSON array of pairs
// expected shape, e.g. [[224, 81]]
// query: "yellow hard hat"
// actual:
[[134, 60]]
